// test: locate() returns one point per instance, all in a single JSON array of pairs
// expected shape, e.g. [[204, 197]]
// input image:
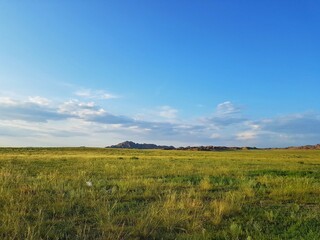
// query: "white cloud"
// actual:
[[158, 114], [33, 110], [37, 120], [248, 135], [227, 108], [39, 100], [226, 114], [94, 94], [167, 112], [307, 123], [80, 109], [215, 136], [7, 101]]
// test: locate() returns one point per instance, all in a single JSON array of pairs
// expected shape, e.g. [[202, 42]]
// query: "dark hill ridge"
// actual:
[[132, 145], [215, 148], [306, 147]]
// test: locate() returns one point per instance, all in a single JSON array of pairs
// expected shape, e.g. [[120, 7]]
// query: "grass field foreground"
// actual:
[[89, 193]]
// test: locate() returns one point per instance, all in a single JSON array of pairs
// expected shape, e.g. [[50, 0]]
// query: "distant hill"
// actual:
[[307, 147], [215, 148], [133, 145]]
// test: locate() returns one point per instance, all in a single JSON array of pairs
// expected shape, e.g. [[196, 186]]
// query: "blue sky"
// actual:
[[96, 73]]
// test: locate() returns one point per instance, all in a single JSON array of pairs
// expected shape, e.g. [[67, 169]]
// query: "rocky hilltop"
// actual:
[[133, 145]]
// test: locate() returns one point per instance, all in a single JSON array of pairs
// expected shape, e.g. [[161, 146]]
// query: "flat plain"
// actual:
[[95, 193]]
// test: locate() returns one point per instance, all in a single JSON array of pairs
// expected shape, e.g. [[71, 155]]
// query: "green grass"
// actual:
[[45, 194]]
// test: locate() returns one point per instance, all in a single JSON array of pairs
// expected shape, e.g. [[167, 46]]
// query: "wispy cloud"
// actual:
[[158, 114], [87, 123], [247, 135], [226, 114], [305, 123], [227, 108], [95, 94], [167, 112], [33, 110], [39, 100], [78, 109]]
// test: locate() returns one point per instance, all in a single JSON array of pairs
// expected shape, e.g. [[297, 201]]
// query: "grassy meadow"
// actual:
[[88, 193]]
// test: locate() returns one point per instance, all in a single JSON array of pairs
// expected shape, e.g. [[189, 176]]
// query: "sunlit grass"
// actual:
[[71, 193]]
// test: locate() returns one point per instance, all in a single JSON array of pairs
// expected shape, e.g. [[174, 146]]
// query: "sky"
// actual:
[[182, 73]]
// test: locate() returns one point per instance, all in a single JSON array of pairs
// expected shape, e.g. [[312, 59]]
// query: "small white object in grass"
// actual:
[[89, 183]]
